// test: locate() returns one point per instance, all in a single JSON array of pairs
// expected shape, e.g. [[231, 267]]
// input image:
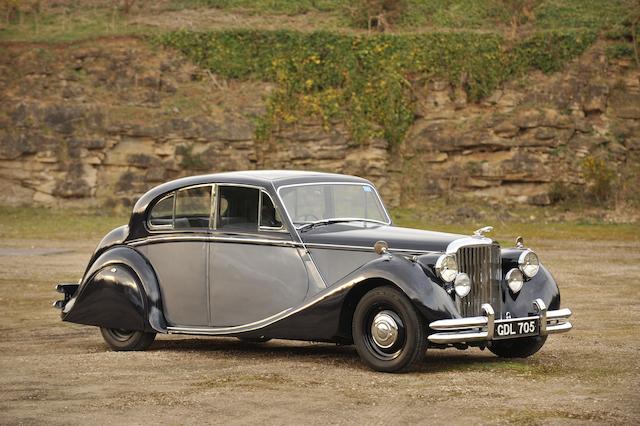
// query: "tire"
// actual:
[[388, 306], [518, 348], [125, 340], [254, 340]]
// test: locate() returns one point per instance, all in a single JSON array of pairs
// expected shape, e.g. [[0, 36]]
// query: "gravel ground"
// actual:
[[60, 373]]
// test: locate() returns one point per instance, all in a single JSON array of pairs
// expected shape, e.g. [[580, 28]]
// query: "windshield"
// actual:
[[326, 201]]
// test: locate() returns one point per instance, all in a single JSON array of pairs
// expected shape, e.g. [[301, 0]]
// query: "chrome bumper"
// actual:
[[473, 329]]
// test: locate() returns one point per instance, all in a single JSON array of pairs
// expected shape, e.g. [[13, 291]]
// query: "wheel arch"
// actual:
[[352, 299], [119, 290]]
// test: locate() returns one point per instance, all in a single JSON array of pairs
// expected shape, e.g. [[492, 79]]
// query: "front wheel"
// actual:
[[127, 340], [518, 348], [388, 331]]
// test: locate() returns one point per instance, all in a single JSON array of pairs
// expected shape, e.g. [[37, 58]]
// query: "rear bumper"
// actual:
[[474, 329], [68, 290]]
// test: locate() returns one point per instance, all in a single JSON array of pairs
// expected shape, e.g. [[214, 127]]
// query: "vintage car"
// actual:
[[262, 255]]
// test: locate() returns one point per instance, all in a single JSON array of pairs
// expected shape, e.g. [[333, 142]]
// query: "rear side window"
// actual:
[[193, 208], [238, 209], [162, 213]]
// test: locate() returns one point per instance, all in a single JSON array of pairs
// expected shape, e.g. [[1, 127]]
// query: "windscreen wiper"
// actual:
[[312, 225]]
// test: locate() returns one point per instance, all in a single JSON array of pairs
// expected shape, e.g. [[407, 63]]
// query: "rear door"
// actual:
[[178, 252]]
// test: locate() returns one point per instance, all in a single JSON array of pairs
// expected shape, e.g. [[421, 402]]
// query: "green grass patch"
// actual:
[[595, 14], [366, 81], [43, 223], [286, 7], [80, 24]]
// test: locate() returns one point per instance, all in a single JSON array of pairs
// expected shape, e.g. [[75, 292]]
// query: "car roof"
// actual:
[[264, 178], [261, 178]]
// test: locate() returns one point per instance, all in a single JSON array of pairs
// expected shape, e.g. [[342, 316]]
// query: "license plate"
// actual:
[[509, 329]]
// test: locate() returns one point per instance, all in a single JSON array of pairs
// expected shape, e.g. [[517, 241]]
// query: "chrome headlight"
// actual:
[[515, 280], [447, 267], [462, 284], [528, 263]]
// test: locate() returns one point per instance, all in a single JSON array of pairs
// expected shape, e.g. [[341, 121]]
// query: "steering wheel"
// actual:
[[308, 216]]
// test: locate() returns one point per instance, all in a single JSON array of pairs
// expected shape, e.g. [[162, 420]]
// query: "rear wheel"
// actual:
[[388, 331], [518, 348], [127, 340]]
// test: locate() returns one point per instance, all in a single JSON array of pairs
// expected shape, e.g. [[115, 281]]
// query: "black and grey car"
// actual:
[[262, 255]]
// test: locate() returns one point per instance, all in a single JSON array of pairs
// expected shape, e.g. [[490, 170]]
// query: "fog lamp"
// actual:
[[462, 284], [515, 280]]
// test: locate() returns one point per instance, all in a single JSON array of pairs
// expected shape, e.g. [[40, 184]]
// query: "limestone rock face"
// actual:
[[100, 124]]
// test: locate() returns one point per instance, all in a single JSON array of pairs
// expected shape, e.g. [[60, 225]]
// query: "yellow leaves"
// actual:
[[308, 83], [315, 59]]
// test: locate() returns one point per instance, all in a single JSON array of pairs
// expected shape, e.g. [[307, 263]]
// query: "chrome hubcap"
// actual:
[[384, 329]]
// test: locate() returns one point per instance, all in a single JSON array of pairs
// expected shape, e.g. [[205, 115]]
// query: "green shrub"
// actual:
[[620, 50], [366, 81], [599, 178]]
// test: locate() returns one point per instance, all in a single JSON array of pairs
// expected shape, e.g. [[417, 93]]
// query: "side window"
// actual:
[[193, 208], [162, 213], [238, 208], [269, 216]]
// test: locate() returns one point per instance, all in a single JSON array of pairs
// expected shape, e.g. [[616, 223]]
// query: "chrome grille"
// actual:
[[483, 265]]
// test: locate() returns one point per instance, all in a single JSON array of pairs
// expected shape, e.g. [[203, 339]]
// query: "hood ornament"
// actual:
[[480, 232]]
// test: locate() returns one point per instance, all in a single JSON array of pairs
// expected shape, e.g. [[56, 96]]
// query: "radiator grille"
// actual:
[[483, 265]]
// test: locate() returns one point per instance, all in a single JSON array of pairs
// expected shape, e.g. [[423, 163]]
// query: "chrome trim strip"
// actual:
[[258, 241], [472, 329], [362, 248], [220, 331]]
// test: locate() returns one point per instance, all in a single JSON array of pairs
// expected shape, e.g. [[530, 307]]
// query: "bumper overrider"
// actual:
[[483, 328]]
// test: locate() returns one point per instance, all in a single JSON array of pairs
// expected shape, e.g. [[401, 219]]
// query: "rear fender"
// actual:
[[119, 290]]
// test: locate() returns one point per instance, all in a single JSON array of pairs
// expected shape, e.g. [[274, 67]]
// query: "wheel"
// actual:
[[254, 339], [388, 331], [517, 348], [127, 340]]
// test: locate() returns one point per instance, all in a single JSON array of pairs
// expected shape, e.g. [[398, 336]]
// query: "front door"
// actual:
[[255, 271]]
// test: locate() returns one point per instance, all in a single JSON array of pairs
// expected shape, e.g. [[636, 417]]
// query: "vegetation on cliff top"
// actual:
[[326, 65], [366, 80]]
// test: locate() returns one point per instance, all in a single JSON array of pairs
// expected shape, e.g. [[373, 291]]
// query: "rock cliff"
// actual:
[[98, 123]]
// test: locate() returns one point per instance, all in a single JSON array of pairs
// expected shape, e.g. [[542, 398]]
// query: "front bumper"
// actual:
[[474, 329]]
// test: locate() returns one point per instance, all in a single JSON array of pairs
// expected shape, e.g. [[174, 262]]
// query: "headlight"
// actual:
[[529, 263], [447, 267], [462, 284], [515, 279]]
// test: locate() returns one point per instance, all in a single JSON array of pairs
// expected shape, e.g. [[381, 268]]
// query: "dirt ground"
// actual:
[[60, 373]]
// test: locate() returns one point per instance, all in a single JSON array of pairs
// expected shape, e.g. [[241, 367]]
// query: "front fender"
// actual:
[[428, 297], [541, 286], [118, 290], [328, 315]]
